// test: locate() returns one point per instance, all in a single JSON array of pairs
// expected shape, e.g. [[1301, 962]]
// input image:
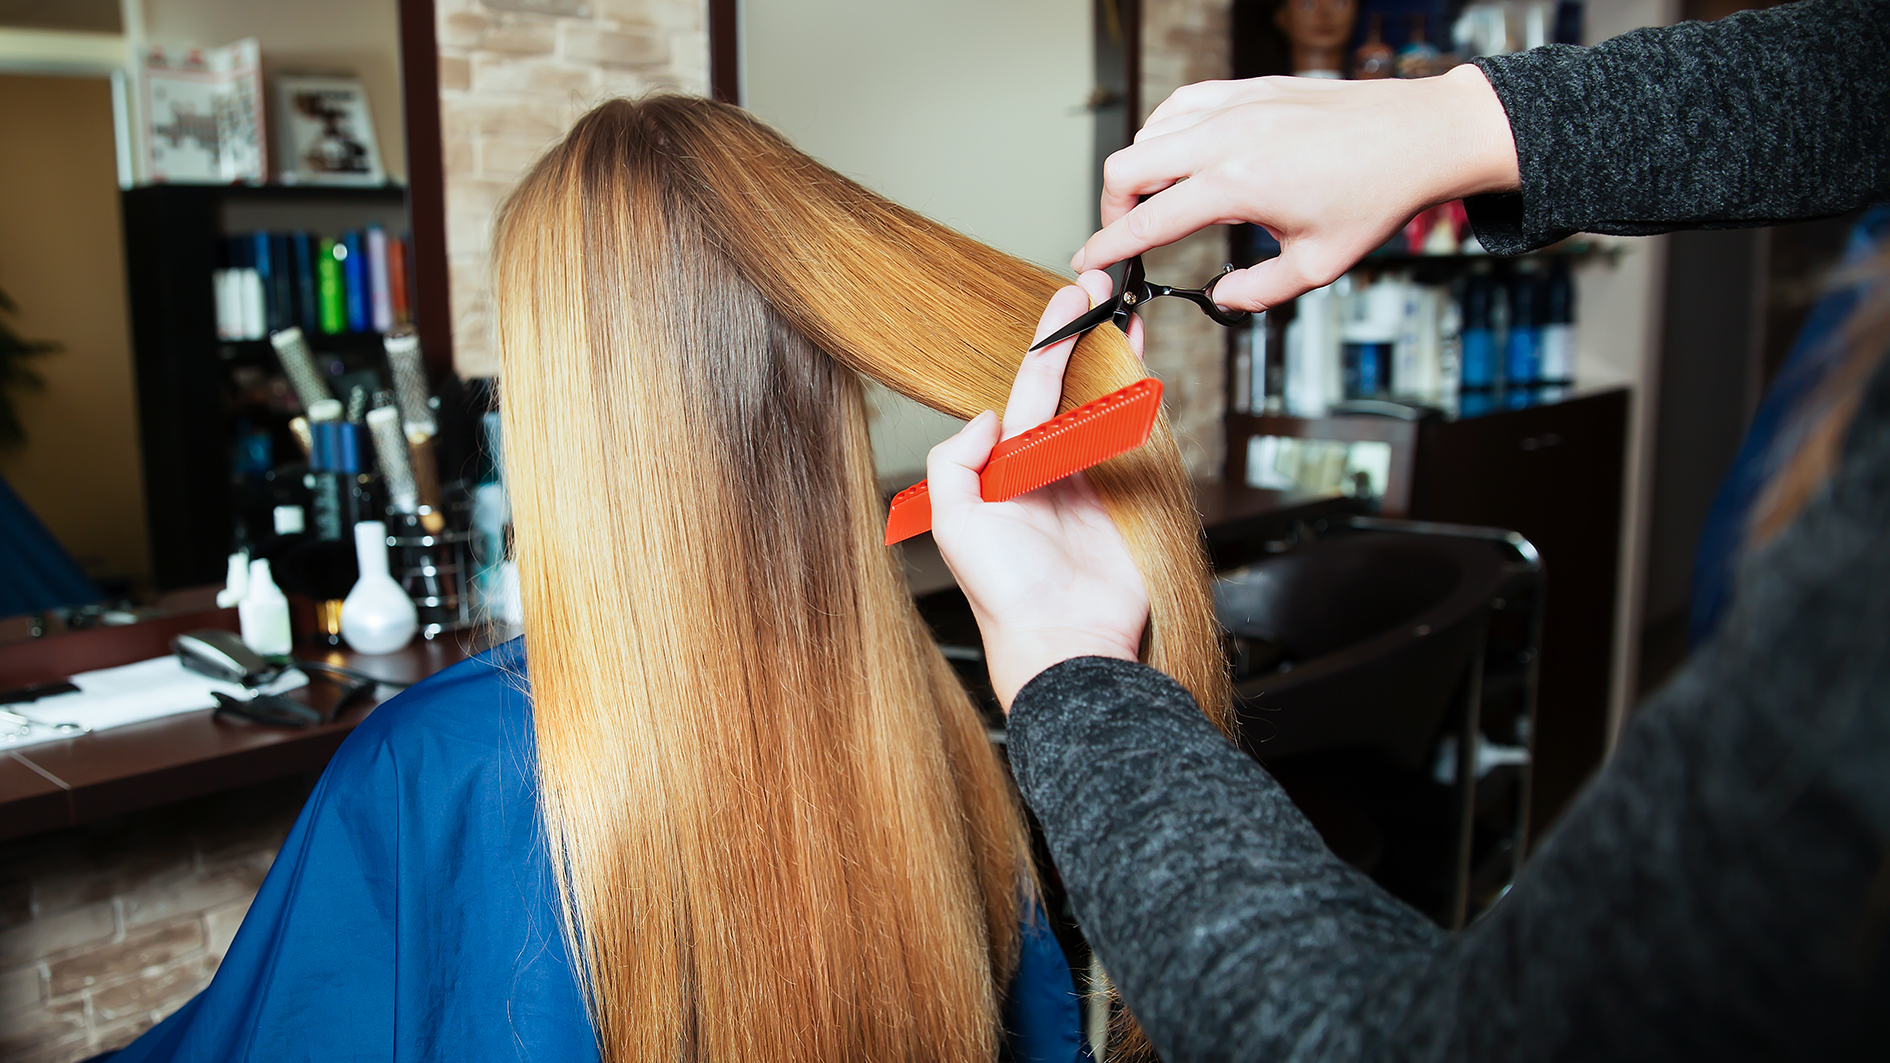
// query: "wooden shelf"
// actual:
[[359, 193]]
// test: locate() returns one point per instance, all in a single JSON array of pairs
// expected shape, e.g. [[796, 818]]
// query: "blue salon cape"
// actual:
[[411, 913]]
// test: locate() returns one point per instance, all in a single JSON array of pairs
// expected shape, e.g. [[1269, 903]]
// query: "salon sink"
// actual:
[[1360, 640]]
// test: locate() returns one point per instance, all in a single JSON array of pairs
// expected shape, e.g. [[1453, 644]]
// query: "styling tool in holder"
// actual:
[[410, 382], [1062, 446], [390, 446], [418, 423], [304, 435], [298, 364]]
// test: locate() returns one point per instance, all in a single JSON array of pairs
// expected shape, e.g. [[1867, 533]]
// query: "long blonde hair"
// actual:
[[778, 827]]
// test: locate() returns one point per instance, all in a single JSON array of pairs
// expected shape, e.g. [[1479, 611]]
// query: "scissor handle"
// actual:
[[1201, 297], [1204, 299]]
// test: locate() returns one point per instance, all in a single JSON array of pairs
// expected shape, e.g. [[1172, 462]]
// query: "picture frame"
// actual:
[[203, 115], [326, 132]]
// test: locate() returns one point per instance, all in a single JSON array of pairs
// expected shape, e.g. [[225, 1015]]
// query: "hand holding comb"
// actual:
[[1062, 446]]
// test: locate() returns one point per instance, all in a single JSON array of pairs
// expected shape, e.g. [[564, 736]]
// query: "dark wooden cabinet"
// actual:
[[1556, 474]]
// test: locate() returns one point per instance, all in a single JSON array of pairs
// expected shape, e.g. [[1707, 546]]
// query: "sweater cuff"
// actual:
[[1069, 697], [1511, 223]]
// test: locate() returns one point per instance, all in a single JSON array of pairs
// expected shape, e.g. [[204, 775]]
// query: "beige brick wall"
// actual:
[[1184, 41], [104, 930], [511, 82]]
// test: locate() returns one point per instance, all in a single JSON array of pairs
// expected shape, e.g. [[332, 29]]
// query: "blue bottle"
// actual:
[[354, 272], [1558, 326], [1479, 365], [1522, 356]]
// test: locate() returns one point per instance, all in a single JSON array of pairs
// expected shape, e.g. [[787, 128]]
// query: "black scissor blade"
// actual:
[[1097, 315]]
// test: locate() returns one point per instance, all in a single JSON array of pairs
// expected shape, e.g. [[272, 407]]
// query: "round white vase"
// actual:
[[377, 616]]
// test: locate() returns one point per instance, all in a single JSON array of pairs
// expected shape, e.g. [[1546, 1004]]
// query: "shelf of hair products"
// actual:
[[357, 519], [1448, 331], [355, 281]]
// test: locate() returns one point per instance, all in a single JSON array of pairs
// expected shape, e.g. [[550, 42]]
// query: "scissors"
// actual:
[[1136, 290], [22, 725]]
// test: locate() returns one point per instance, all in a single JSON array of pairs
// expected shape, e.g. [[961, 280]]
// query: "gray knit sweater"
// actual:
[[1759, 117], [1722, 890]]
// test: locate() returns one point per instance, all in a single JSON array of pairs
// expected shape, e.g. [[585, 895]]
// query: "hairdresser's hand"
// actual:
[[1331, 168], [1047, 574]]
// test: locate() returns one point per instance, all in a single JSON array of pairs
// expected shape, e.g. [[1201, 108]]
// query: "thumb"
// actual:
[[952, 467]]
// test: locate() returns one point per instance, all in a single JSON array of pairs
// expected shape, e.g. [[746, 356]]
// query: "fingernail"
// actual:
[[1077, 262]]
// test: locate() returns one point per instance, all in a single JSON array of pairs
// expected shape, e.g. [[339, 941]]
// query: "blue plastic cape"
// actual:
[[1769, 441], [411, 913]]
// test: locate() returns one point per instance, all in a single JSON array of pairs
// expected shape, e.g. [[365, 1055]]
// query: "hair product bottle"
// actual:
[[1558, 330], [1374, 59], [1478, 337], [377, 616], [1419, 58], [263, 614], [1522, 355]]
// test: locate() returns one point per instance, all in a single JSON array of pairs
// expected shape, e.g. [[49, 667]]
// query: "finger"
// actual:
[[1147, 167], [1179, 123], [1138, 334], [1192, 99], [1160, 219], [952, 467], [1039, 385], [1166, 125], [1098, 285], [1270, 283]]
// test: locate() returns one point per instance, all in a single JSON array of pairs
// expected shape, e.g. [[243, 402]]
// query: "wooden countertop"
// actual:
[[82, 780], [124, 769]]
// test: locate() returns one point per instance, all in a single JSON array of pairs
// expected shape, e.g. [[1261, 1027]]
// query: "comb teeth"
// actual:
[[1088, 435], [1062, 446]]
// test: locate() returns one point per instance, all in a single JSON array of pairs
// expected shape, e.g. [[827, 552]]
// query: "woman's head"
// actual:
[[779, 827]]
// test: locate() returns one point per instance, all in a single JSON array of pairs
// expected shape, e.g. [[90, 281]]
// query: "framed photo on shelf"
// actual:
[[326, 132], [203, 115]]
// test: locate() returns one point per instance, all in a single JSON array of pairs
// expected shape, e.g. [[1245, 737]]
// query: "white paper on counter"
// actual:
[[133, 693]]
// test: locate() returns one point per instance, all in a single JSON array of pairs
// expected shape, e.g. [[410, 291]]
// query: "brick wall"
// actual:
[[1184, 41], [106, 929], [514, 75]]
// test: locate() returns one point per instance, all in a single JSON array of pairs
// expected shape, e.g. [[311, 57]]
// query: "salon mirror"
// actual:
[[75, 522], [982, 115]]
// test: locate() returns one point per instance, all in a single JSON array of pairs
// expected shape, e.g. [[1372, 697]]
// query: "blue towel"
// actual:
[[39, 574], [411, 913]]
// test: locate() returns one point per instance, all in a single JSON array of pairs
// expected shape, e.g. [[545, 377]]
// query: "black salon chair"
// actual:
[[1373, 666]]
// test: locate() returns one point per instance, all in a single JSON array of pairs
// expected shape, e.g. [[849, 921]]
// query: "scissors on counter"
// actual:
[[1136, 289]]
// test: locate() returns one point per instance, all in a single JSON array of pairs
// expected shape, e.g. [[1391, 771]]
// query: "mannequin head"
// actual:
[[1318, 31]]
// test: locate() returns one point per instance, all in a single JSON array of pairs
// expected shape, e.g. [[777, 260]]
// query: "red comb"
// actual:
[[1062, 446]]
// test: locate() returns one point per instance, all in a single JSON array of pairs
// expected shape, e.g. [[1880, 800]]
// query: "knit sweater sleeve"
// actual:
[[1718, 892], [1229, 928], [1759, 117]]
